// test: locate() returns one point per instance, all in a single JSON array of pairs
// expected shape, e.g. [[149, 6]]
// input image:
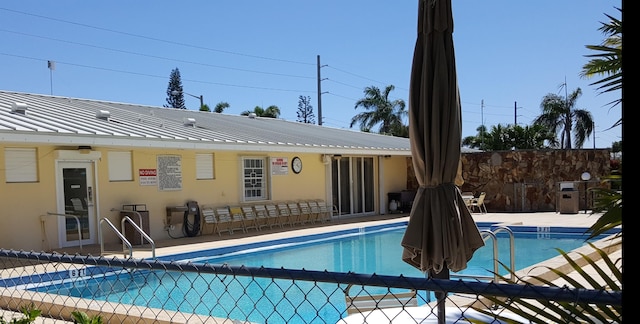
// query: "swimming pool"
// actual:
[[366, 250]]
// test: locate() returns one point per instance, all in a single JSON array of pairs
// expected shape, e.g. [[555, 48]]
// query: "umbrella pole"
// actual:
[[441, 296]]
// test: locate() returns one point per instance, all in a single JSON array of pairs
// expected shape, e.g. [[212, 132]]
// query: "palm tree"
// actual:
[[510, 137], [608, 62], [530, 137], [476, 141], [380, 110], [497, 139], [271, 112], [221, 106], [559, 115], [488, 141]]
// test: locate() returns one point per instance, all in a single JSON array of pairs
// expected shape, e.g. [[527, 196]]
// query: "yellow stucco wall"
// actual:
[[394, 174], [22, 204]]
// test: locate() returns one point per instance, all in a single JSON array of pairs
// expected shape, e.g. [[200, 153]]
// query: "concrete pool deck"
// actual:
[[209, 241]]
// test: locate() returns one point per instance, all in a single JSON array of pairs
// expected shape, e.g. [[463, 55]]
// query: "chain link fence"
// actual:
[[153, 291]]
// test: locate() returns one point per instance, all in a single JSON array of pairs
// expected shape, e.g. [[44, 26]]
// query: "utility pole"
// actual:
[[52, 66], [594, 134], [515, 113], [566, 106], [319, 93], [482, 123]]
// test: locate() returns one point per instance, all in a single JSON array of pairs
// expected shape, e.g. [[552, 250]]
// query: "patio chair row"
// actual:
[[219, 219]]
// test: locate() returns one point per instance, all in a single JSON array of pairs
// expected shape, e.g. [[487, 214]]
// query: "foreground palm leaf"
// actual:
[[545, 311], [609, 201]]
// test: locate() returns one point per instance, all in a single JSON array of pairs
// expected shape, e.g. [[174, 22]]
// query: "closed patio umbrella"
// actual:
[[441, 234]]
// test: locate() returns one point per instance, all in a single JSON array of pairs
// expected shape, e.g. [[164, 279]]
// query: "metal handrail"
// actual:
[[77, 222], [115, 230], [488, 234], [143, 235], [512, 248], [139, 218]]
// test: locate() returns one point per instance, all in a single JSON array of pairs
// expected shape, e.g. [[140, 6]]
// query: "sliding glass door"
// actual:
[[353, 185]]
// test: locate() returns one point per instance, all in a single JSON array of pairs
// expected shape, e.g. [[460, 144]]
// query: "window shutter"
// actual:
[[120, 166], [204, 166], [21, 165]]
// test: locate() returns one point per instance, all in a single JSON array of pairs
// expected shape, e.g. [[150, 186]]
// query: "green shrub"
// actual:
[[30, 314], [82, 318]]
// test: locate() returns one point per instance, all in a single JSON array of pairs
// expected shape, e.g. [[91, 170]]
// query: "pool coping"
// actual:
[[539, 231]]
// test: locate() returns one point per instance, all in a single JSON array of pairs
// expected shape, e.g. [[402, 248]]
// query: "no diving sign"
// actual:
[[148, 177]]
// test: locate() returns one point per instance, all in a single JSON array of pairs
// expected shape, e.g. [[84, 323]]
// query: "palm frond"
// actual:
[[609, 278]]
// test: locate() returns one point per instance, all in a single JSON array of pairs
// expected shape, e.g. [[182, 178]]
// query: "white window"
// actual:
[[254, 176], [21, 165], [204, 167], [120, 166]]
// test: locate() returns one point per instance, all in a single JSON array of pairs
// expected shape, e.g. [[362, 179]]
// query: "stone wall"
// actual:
[[529, 180]]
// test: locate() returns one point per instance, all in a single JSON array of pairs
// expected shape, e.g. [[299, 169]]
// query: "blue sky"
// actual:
[[509, 54]]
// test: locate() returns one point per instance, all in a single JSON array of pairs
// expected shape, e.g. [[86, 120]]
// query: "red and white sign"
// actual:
[[279, 166], [148, 177]]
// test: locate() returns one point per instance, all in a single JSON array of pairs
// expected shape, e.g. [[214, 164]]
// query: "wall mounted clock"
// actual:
[[296, 165]]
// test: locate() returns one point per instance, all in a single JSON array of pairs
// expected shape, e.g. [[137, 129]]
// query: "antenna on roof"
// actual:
[[52, 66]]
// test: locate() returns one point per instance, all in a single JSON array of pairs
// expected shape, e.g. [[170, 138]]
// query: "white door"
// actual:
[[75, 190]]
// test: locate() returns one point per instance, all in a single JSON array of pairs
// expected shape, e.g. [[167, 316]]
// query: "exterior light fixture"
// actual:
[[585, 176], [176, 92]]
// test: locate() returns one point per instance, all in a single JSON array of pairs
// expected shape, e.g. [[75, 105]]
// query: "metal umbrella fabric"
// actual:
[[441, 234]]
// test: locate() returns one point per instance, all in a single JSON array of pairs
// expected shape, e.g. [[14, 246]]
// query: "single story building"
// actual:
[[91, 159]]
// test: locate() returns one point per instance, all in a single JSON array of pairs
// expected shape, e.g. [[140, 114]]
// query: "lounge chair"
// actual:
[[238, 220], [295, 214], [209, 220], [284, 215], [326, 212], [315, 211], [231, 224], [78, 206], [306, 213], [250, 218], [260, 217], [223, 218], [479, 203], [273, 218]]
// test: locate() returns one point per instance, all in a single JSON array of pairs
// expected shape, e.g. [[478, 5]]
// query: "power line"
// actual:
[[155, 39], [156, 56], [362, 77], [178, 60], [156, 76]]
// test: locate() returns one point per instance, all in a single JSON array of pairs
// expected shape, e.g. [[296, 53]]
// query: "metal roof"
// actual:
[[55, 120]]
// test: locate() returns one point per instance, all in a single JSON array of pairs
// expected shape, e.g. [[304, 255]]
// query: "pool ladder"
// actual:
[[67, 216], [125, 242], [492, 234]]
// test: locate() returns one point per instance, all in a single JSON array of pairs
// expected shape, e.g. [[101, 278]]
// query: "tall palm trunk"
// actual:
[[568, 126]]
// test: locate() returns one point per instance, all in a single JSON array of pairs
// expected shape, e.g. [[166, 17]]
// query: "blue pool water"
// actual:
[[362, 252]]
